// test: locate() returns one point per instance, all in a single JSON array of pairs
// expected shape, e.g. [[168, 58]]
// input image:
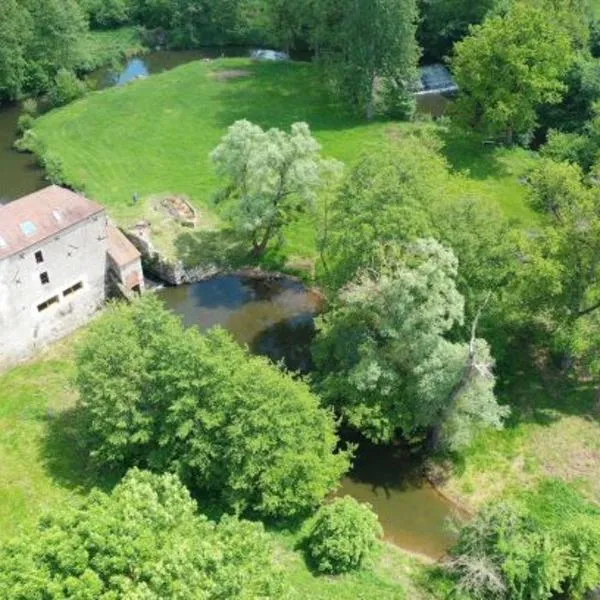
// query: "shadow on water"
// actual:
[[413, 514]]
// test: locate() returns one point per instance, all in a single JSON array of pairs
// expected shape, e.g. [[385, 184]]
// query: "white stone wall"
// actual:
[[77, 254]]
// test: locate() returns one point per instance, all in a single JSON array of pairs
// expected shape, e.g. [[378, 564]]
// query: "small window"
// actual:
[[28, 228], [73, 289], [44, 278], [39, 257], [44, 305]]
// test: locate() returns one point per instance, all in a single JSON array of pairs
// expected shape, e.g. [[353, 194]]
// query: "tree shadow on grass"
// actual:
[[539, 392], [65, 459], [279, 94], [220, 248], [467, 151], [224, 250]]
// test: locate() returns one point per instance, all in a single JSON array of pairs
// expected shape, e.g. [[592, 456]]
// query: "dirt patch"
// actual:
[[230, 74], [180, 209]]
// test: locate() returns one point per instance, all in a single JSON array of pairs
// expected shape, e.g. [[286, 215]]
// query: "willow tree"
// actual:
[[384, 359], [366, 41], [272, 177]]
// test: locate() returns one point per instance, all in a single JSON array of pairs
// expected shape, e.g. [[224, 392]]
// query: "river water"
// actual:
[[275, 318]]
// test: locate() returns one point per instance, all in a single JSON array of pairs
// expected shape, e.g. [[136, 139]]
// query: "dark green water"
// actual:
[[276, 318]]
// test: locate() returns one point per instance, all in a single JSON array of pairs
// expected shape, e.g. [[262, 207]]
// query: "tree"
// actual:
[[535, 546], [383, 360], [343, 536], [15, 33], [556, 288], [363, 41], [444, 22], [406, 194], [144, 540], [383, 198], [272, 177], [508, 67], [105, 14], [234, 426]]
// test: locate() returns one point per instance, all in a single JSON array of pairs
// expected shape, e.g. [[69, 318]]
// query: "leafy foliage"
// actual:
[[508, 67], [383, 359], [235, 426], [363, 40], [37, 39], [272, 175], [144, 540], [530, 548], [342, 536], [65, 88]]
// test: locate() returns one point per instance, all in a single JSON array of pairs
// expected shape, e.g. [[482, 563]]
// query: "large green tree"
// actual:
[[557, 285], [366, 41], [405, 194], [508, 67], [272, 177], [232, 425], [144, 540], [383, 358]]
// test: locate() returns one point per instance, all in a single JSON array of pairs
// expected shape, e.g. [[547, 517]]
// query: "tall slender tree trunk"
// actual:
[[370, 110]]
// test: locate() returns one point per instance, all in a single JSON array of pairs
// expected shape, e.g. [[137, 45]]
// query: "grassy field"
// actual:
[[554, 431], [41, 467], [154, 136]]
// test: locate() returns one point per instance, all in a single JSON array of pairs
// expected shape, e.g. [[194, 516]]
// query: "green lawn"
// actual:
[[554, 431], [154, 136], [41, 467]]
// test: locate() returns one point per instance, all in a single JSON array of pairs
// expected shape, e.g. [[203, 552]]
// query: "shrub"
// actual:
[[144, 540], [30, 106], [65, 88], [536, 545], [24, 123], [53, 167], [232, 425], [343, 536]]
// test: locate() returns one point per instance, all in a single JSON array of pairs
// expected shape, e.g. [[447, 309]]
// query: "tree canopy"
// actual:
[[143, 540], [508, 67], [232, 425], [272, 177], [383, 359]]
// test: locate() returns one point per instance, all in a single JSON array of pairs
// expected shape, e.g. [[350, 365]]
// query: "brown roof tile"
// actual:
[[121, 250], [33, 218]]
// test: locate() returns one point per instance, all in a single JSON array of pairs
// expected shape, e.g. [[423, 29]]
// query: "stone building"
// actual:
[[58, 253]]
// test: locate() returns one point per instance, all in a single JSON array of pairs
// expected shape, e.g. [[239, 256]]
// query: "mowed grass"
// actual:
[[43, 468], [154, 136]]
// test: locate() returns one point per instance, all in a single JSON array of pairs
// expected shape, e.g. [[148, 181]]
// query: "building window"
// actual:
[[73, 289], [44, 278], [44, 305], [39, 257]]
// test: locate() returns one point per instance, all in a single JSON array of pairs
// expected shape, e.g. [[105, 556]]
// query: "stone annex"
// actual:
[[60, 259]]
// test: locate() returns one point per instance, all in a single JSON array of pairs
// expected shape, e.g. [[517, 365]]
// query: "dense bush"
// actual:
[[233, 425], [537, 546], [24, 123], [65, 88], [144, 540], [343, 536]]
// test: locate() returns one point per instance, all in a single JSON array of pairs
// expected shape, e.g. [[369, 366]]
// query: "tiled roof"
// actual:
[[33, 218], [121, 250]]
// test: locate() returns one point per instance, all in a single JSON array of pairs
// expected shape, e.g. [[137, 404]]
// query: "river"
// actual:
[[275, 317]]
